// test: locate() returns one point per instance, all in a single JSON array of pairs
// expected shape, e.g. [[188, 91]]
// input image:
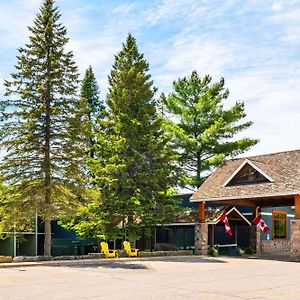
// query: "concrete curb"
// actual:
[[99, 261]]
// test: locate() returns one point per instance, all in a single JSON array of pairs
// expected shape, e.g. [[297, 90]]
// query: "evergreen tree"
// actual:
[[134, 165], [42, 129], [90, 92], [95, 108], [203, 131]]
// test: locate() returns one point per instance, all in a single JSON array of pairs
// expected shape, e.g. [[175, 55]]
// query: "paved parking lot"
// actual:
[[173, 278]]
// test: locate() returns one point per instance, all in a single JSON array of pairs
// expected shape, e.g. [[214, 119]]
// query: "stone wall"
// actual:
[[275, 246], [201, 238], [295, 240]]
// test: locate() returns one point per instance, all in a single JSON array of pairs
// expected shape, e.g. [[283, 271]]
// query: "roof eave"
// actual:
[[232, 197]]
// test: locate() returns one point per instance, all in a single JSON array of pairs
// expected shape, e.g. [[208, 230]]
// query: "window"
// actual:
[[279, 224]]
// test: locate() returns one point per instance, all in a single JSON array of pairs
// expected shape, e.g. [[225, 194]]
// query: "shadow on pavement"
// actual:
[[278, 257], [136, 263], [191, 259], [112, 265]]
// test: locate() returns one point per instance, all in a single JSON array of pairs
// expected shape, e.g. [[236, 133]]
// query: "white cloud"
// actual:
[[287, 20], [188, 53], [277, 6], [125, 8], [253, 44], [272, 104]]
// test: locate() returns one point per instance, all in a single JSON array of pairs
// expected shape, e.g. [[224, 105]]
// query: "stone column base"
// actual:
[[255, 238], [295, 240], [201, 238]]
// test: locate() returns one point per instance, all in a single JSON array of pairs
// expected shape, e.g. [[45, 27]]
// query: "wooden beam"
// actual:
[[255, 212], [201, 212], [246, 202], [297, 206], [261, 202]]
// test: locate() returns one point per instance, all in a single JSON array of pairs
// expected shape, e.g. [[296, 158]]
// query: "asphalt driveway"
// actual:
[[170, 278]]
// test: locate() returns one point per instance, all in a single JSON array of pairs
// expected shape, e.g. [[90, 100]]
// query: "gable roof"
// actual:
[[283, 168], [212, 216], [247, 162]]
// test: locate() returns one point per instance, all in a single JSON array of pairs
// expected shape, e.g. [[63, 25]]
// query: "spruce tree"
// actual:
[[90, 92], [134, 167], [42, 129], [90, 95], [204, 133]]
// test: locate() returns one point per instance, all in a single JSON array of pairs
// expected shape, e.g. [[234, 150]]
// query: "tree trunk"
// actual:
[[198, 169], [48, 202], [47, 241], [47, 162]]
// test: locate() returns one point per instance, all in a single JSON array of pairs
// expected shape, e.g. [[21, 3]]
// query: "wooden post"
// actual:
[[201, 212], [174, 235], [212, 234], [184, 237], [235, 234], [255, 212], [297, 206]]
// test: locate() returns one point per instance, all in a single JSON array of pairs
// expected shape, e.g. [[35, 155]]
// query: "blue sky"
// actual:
[[254, 44]]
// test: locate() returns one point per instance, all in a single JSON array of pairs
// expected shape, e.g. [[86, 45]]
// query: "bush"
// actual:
[[250, 251], [213, 251]]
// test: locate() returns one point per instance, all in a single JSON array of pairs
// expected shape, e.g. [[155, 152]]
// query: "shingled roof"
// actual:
[[282, 170]]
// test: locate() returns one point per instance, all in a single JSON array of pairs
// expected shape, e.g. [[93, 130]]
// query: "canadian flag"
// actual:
[[258, 221], [224, 219]]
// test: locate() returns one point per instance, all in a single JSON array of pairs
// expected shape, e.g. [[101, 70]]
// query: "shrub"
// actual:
[[213, 251], [250, 251]]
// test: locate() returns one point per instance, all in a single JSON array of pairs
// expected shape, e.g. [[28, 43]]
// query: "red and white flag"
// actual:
[[224, 219], [258, 221]]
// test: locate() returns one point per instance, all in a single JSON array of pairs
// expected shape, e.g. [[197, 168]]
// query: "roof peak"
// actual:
[[262, 155]]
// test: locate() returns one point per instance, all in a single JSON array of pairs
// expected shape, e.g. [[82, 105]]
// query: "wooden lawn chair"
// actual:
[[131, 252], [107, 252]]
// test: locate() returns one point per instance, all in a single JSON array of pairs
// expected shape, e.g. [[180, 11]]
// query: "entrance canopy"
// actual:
[[234, 216]]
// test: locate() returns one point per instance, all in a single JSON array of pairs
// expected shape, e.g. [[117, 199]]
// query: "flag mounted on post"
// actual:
[[224, 219], [258, 221]]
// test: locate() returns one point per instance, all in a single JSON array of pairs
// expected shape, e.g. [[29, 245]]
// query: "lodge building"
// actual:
[[268, 185]]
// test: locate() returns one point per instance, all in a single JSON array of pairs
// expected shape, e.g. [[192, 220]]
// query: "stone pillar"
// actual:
[[295, 240], [295, 232], [201, 238], [255, 233], [255, 238]]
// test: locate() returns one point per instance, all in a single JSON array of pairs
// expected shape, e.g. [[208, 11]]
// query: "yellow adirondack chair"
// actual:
[[108, 253], [131, 252]]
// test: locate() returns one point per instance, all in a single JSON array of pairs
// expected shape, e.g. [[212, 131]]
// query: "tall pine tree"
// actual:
[[134, 166], [42, 129], [204, 133]]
